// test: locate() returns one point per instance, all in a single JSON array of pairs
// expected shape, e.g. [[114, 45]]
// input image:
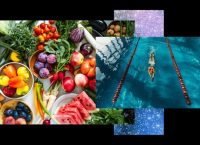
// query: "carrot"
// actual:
[[35, 99], [40, 110]]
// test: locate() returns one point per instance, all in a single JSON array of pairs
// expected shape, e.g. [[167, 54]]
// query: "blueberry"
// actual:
[[8, 112], [15, 114], [26, 110], [22, 115], [28, 118], [21, 105], [18, 108]]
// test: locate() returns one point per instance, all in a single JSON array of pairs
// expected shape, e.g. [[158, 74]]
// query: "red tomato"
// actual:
[[40, 47], [50, 35], [44, 35], [46, 30], [51, 21], [53, 29], [37, 30], [42, 25], [49, 26], [56, 35]]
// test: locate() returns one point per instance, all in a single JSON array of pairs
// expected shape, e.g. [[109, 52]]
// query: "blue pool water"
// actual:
[[138, 90]]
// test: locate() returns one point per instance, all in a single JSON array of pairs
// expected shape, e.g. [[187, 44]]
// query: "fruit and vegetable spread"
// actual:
[[42, 61]]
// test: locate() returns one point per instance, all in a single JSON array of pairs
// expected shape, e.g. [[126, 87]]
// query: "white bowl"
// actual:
[[61, 101], [30, 81]]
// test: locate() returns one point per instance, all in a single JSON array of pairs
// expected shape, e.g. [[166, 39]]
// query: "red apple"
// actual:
[[76, 58], [81, 80]]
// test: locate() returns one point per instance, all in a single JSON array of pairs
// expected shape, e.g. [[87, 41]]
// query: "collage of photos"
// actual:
[[121, 72]]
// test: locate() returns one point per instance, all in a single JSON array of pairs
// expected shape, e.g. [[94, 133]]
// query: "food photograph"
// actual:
[[48, 73]]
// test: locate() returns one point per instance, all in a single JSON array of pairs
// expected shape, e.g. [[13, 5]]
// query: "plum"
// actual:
[[39, 65], [20, 121], [9, 120], [42, 57], [48, 66], [44, 73], [51, 59]]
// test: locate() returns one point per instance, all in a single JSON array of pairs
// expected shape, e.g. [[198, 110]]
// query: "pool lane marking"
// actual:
[[124, 75], [187, 99]]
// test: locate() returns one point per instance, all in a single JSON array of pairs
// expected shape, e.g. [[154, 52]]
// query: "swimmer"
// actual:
[[151, 71], [152, 59]]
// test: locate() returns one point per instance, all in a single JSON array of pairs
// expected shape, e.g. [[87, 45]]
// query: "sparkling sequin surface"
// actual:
[[147, 122], [148, 23]]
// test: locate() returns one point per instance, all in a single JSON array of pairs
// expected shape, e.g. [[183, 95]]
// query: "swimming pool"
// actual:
[[138, 91]]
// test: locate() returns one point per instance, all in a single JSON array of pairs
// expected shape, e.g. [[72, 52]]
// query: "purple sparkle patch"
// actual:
[[148, 23]]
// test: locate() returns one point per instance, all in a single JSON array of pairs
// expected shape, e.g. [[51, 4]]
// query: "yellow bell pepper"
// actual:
[[22, 91], [14, 57], [4, 80], [22, 71]]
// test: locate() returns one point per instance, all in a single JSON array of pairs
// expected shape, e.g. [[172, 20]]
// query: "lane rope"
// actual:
[[115, 97], [187, 99]]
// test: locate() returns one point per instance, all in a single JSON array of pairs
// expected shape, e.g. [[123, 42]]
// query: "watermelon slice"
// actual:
[[84, 113], [75, 117], [75, 113], [86, 101], [65, 119]]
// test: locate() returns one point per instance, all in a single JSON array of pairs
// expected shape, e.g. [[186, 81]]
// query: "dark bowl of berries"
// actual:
[[16, 112]]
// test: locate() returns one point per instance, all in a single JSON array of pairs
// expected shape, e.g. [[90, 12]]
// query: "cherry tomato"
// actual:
[[51, 22], [44, 35], [53, 29], [41, 38], [40, 47], [37, 30], [49, 26], [42, 25], [56, 35], [50, 35], [46, 30]]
